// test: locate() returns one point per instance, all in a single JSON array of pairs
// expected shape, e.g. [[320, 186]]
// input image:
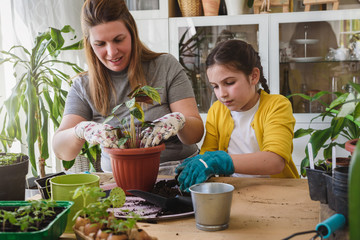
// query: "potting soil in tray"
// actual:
[[149, 211], [51, 228]]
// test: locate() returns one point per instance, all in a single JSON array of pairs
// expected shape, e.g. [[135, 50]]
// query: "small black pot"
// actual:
[[43, 184], [317, 184], [12, 180], [329, 190], [340, 190]]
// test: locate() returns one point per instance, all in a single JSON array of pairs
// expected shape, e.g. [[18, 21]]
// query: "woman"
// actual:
[[118, 62], [248, 130]]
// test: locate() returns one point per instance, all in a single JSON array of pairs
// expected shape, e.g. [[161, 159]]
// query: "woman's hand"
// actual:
[[164, 128], [97, 133]]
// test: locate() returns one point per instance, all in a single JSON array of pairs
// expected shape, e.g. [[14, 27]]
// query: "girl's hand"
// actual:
[[164, 127], [97, 133], [200, 168]]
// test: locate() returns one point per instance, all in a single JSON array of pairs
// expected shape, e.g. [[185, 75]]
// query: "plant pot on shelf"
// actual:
[[135, 168], [317, 184], [236, 7], [13, 178], [190, 8], [350, 145], [211, 7]]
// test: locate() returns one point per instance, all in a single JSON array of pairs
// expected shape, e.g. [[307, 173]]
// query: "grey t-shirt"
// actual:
[[166, 73]]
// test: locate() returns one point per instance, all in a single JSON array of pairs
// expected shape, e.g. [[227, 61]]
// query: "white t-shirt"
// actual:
[[243, 139]]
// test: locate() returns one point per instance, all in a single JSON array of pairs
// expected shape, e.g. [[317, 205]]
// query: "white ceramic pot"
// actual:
[[235, 7]]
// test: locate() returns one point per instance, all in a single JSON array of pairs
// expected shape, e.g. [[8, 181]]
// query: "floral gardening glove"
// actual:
[[164, 127], [200, 168], [97, 133]]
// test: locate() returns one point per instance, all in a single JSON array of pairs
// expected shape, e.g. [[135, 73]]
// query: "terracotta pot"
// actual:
[[350, 145], [340, 161], [211, 7], [135, 168]]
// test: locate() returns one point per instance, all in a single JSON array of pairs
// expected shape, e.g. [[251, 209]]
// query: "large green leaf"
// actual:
[[44, 149], [32, 127], [304, 163], [318, 139], [130, 103], [138, 112], [303, 132], [152, 93], [57, 38], [348, 107], [337, 126]]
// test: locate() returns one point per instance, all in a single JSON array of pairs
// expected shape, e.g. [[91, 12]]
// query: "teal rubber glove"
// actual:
[[200, 168]]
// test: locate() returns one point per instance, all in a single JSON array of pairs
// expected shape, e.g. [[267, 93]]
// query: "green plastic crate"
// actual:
[[53, 231]]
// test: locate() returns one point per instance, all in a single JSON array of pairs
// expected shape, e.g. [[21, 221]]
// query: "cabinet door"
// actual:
[[154, 33], [314, 52], [192, 39]]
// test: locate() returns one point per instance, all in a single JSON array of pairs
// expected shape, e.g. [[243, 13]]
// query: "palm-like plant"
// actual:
[[38, 91], [344, 113]]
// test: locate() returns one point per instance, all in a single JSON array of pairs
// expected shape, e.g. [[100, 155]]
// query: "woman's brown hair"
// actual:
[[238, 55], [95, 12]]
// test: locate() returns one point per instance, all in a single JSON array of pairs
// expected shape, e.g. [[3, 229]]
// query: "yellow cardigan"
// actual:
[[273, 125]]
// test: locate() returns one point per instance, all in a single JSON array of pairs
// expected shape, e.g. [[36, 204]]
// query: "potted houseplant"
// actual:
[[13, 170], [344, 115], [38, 92], [344, 122], [33, 219], [135, 167]]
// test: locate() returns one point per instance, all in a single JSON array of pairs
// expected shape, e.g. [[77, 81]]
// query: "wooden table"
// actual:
[[262, 208]]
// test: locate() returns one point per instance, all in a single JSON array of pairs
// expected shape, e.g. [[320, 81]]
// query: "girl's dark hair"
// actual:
[[238, 55]]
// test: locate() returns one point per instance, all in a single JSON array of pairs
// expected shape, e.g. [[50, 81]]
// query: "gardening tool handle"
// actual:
[[330, 225]]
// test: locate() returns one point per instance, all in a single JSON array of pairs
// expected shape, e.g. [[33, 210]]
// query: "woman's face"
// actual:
[[233, 88], [111, 42]]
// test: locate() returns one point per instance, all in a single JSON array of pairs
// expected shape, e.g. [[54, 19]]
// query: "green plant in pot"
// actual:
[[133, 166], [344, 114], [38, 94]]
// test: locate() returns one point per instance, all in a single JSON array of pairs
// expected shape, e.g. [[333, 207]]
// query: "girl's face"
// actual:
[[233, 88], [111, 42]]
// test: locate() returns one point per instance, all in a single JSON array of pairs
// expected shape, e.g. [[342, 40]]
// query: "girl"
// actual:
[[248, 131]]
